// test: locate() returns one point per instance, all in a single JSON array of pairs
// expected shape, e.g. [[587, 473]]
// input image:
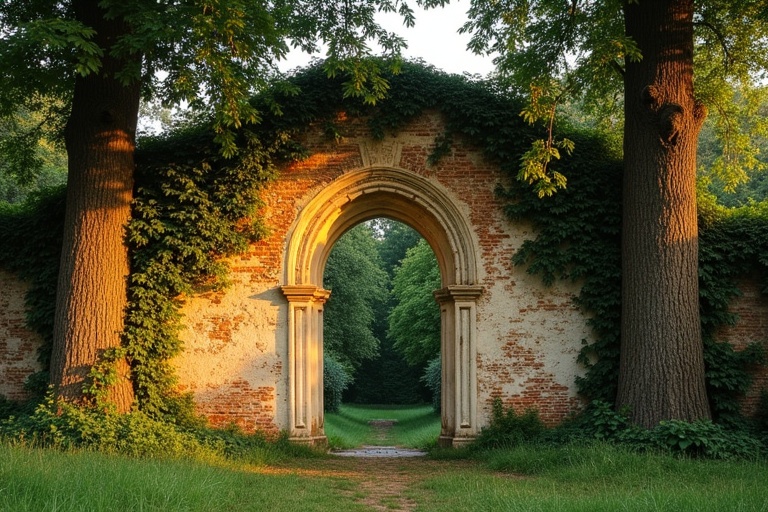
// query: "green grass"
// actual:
[[572, 478], [599, 478], [47, 480], [418, 426]]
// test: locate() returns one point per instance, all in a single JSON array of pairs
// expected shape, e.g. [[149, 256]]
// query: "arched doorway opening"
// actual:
[[411, 199], [381, 337]]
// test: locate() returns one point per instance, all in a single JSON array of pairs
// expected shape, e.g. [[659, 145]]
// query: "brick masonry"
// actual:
[[18, 345], [751, 310], [528, 335], [235, 359]]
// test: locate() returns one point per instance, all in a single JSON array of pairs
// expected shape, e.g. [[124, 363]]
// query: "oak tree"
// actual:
[[100, 57], [642, 56]]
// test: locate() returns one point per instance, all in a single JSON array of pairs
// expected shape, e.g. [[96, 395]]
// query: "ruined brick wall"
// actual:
[[528, 334], [751, 309], [235, 358], [18, 345]]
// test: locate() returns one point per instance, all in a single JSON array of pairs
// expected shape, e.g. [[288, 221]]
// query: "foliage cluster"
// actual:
[[507, 428], [698, 439], [336, 379], [433, 379], [414, 322], [33, 156], [600, 422], [65, 426], [358, 286]]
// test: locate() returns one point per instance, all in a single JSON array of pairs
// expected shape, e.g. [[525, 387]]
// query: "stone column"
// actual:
[[305, 362], [458, 310]]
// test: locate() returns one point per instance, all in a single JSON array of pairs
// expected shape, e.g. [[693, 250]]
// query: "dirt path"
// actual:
[[378, 483]]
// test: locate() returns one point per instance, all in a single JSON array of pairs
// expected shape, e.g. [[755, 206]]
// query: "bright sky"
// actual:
[[434, 39]]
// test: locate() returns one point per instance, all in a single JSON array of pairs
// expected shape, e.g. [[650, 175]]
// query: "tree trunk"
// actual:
[[662, 366], [92, 285]]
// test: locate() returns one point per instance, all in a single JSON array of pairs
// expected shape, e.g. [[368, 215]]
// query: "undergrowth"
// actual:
[[67, 427], [600, 423]]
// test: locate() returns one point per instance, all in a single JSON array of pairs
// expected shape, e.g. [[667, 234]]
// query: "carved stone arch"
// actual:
[[381, 192], [404, 196]]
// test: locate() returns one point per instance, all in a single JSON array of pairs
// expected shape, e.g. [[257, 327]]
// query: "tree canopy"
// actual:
[[644, 57], [559, 52]]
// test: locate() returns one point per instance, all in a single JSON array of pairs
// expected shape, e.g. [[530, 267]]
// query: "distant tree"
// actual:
[[395, 239], [414, 323], [388, 378], [358, 287], [32, 152]]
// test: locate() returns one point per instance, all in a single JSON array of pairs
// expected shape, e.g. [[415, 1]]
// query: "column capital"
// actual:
[[305, 293], [458, 292]]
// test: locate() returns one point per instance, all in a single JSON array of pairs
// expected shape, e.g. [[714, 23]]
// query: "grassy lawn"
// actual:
[[599, 478], [38, 480], [528, 478], [418, 426]]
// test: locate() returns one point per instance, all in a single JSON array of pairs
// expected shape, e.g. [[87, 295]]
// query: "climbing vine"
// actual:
[[193, 207]]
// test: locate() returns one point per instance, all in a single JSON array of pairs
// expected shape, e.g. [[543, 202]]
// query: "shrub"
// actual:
[[598, 421], [335, 380], [433, 379], [58, 424], [64, 426], [705, 439], [508, 429], [700, 439]]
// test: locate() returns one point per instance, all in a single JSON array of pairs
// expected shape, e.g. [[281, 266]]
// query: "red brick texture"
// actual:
[[751, 310], [18, 345]]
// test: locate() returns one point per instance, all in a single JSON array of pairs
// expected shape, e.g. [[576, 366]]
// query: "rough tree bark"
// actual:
[[662, 366], [92, 284]]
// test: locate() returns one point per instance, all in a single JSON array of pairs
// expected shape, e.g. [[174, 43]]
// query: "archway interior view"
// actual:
[[354, 198], [381, 353]]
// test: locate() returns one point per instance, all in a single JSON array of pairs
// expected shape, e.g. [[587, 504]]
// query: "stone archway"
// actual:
[[409, 198]]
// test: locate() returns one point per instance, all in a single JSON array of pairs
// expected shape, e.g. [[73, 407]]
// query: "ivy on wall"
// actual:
[[578, 237], [194, 207]]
